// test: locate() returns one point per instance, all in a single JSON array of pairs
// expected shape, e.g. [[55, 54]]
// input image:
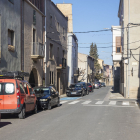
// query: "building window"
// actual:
[[63, 54], [12, 1], [51, 78], [118, 44], [51, 51], [34, 17], [58, 26], [11, 37], [63, 31], [51, 18]]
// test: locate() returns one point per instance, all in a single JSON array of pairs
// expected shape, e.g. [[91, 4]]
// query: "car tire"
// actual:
[[82, 94], [49, 106], [58, 104], [35, 109], [21, 115]]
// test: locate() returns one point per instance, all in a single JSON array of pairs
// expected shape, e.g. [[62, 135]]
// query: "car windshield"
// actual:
[[46, 91], [88, 84], [78, 86], [72, 86]]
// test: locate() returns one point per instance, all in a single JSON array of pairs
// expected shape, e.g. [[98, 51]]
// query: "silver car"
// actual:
[[96, 86]]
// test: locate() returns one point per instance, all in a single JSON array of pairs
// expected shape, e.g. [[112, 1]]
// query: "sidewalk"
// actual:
[[63, 95], [115, 95]]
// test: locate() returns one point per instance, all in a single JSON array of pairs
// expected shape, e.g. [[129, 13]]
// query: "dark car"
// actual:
[[47, 97], [103, 84], [70, 89], [90, 87], [85, 87], [79, 90]]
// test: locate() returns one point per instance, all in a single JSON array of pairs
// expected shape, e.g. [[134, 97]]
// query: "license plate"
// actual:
[[73, 92]]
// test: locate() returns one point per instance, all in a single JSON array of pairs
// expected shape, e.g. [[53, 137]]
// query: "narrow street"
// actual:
[[92, 117]]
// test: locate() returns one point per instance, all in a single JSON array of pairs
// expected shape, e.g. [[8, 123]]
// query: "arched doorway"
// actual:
[[33, 79]]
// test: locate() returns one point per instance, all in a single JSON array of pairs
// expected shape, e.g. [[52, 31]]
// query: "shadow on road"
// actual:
[[2, 124]]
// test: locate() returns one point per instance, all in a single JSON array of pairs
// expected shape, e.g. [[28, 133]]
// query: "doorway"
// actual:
[[33, 79]]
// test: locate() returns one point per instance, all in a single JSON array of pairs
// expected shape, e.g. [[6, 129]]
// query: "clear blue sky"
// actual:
[[90, 15]]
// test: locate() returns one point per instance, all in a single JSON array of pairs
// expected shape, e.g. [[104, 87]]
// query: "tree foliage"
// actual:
[[94, 53]]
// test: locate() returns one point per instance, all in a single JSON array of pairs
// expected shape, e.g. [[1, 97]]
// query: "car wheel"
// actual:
[[82, 94], [49, 106], [21, 115], [58, 104], [35, 109]]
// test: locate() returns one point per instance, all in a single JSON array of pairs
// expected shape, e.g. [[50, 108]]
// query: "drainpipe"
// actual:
[[87, 73], [128, 47], [45, 46]]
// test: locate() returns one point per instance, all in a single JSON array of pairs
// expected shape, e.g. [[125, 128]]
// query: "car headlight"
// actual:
[[43, 99]]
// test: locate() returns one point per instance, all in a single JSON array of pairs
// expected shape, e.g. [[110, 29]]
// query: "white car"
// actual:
[[96, 85]]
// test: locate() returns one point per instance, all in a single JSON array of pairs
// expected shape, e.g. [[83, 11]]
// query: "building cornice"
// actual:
[[35, 7]]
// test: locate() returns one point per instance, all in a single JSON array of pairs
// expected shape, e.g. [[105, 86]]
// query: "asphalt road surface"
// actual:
[[92, 117]]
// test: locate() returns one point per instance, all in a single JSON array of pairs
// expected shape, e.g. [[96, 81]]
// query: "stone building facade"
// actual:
[[10, 35], [33, 40], [56, 52], [72, 45], [129, 15], [67, 11]]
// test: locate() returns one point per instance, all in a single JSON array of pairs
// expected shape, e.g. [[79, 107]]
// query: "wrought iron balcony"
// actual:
[[37, 50], [76, 72], [61, 63]]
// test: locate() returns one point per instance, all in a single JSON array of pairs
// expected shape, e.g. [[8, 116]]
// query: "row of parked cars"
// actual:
[[79, 89], [99, 85], [18, 97]]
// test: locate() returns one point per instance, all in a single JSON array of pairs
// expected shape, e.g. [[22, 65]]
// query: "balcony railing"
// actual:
[[37, 50], [76, 71], [61, 63]]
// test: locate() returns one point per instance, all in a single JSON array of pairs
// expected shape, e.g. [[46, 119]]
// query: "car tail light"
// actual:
[[18, 98], [89, 86], [18, 95]]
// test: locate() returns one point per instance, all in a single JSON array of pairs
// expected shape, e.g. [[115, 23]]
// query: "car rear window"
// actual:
[[9, 88], [72, 86]]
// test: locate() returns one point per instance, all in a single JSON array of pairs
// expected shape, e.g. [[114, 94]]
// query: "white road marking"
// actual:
[[107, 106], [112, 103], [62, 102], [136, 103], [99, 102], [125, 103], [86, 102], [74, 102]]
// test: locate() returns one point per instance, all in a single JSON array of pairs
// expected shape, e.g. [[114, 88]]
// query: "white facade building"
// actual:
[[117, 49], [116, 56], [72, 58], [86, 68]]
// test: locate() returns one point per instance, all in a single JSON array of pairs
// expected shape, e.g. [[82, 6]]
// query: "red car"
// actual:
[[16, 95]]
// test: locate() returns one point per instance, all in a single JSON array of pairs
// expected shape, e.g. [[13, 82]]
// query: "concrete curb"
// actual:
[[63, 95]]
